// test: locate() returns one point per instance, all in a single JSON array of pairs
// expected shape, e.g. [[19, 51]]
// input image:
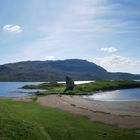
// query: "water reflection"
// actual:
[[117, 95]]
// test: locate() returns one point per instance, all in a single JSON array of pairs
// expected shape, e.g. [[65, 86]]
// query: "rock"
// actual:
[[69, 84]]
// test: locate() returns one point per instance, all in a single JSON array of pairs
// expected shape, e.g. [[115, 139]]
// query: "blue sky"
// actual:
[[106, 32]]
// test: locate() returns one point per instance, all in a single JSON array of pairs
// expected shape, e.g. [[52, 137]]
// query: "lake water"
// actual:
[[117, 95], [78, 82], [12, 89]]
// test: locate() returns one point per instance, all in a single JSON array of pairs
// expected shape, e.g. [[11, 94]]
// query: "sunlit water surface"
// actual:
[[117, 95]]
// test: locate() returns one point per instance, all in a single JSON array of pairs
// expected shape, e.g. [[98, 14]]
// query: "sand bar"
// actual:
[[124, 114]]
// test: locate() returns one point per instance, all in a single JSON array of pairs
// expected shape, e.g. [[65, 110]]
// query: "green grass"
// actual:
[[55, 88], [30, 121], [107, 85], [43, 86]]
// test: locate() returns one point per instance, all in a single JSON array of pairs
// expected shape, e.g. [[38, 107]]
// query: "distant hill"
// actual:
[[57, 70]]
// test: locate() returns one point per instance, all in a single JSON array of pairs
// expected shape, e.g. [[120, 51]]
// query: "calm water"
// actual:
[[11, 89], [78, 82], [117, 95]]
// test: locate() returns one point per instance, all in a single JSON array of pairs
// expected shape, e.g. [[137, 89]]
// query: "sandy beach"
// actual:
[[123, 114]]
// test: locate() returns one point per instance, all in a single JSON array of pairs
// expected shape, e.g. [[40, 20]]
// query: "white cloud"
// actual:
[[115, 60], [109, 50], [117, 63], [50, 57], [12, 28]]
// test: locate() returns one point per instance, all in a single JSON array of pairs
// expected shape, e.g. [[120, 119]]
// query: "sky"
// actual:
[[106, 32]]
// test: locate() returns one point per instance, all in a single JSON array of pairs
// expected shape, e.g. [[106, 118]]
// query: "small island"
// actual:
[[84, 89]]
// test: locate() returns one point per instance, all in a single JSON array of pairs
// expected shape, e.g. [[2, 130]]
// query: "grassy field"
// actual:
[[30, 121], [85, 88]]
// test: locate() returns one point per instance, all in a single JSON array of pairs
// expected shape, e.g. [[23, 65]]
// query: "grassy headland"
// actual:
[[30, 121], [44, 86], [85, 88]]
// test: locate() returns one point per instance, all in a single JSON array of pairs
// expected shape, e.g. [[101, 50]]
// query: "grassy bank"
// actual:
[[85, 88], [107, 85], [44, 86], [30, 121]]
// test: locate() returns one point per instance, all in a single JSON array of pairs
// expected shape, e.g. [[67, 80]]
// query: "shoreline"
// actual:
[[106, 112], [124, 114]]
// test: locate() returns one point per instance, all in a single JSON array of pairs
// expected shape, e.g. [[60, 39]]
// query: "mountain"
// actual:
[[57, 71]]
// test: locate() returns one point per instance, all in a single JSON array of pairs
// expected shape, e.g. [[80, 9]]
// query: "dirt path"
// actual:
[[46, 135], [97, 111]]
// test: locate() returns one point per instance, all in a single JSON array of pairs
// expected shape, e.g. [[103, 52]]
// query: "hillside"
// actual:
[[57, 70]]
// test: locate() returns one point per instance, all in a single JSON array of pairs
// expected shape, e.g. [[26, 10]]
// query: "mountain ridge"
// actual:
[[57, 70]]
